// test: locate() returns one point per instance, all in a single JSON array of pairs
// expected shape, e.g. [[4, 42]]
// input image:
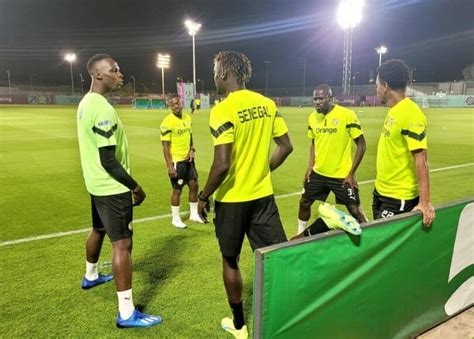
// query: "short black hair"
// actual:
[[324, 87], [235, 62], [172, 96], [395, 73], [94, 59]]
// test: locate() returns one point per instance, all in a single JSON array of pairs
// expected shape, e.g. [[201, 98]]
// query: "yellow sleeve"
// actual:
[[279, 126], [353, 125], [165, 130], [310, 127], [414, 131], [221, 125]]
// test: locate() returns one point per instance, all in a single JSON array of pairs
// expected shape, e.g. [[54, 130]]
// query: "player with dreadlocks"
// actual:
[[242, 127]]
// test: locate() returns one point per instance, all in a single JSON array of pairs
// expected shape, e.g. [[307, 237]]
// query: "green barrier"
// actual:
[[397, 280], [67, 99], [149, 103]]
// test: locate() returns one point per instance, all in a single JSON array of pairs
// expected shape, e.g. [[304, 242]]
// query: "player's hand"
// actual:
[[190, 157], [138, 195], [307, 175], [204, 206], [172, 172], [428, 211], [351, 182]]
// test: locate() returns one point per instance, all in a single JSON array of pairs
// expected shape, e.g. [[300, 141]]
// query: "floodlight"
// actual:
[[381, 50], [349, 13], [193, 27], [163, 60], [70, 57]]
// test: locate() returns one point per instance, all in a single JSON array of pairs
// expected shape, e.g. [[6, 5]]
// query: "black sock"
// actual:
[[319, 226], [238, 312]]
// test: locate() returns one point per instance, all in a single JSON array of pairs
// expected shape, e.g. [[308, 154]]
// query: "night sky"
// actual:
[[434, 36]]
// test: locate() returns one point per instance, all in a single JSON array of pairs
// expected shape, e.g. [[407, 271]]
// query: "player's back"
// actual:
[[250, 121]]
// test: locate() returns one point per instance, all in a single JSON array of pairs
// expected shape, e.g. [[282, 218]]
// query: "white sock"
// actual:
[[302, 225], [193, 209], [91, 271], [175, 212], [125, 302]]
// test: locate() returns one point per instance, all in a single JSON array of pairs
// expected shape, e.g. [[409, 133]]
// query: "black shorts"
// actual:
[[319, 187], [259, 219], [186, 172], [113, 213], [384, 207]]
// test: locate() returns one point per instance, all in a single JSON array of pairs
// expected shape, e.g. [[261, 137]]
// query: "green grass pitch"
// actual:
[[177, 273]]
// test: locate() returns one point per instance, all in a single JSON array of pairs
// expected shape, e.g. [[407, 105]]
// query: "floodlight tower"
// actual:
[[134, 89], [303, 61], [381, 50], [349, 15], [71, 57], [163, 62], [9, 82], [412, 75], [193, 28], [82, 83], [267, 62]]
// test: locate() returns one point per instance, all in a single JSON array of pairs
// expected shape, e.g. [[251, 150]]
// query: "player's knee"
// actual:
[[305, 203], [122, 245], [177, 191], [193, 186], [232, 262], [99, 232]]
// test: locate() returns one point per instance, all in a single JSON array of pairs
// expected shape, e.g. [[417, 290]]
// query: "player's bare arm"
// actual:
[[169, 162], [217, 174], [281, 152], [360, 151], [423, 175]]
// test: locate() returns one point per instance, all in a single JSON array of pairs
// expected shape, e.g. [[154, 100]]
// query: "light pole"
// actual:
[[202, 85], [303, 61], [133, 78], [411, 75], [381, 50], [82, 83], [163, 61], [349, 15], [9, 82], [31, 81], [71, 57], [193, 28], [267, 62], [354, 78]]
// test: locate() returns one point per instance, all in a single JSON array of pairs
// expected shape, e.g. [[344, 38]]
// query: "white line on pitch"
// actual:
[[163, 216], [82, 230]]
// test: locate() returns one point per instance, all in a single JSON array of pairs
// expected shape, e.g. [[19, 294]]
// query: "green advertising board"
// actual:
[[394, 281], [149, 103]]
